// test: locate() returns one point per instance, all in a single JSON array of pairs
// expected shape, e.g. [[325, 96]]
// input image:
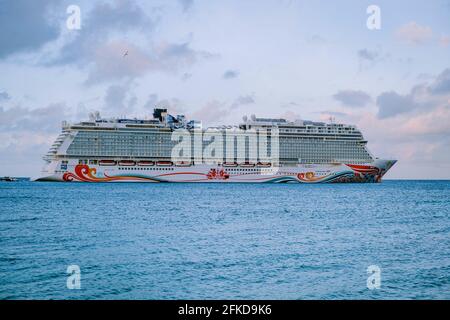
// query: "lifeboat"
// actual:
[[164, 163], [247, 165], [229, 164], [183, 164], [127, 163], [145, 163], [107, 162], [264, 164]]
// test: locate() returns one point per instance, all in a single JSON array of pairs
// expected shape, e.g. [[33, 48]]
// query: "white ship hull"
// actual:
[[301, 173]]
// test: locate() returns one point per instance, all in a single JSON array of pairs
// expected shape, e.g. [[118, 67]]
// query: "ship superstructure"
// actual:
[[257, 150]]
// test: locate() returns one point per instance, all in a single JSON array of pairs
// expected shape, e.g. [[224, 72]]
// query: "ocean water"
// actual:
[[225, 241]]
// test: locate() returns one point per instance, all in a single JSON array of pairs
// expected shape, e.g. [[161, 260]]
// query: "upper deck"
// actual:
[[168, 123]]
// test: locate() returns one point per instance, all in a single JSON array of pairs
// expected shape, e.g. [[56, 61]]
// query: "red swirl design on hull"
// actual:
[[86, 174], [364, 169], [365, 172]]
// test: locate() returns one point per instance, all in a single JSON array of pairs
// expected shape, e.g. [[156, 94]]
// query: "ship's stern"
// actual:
[[49, 173]]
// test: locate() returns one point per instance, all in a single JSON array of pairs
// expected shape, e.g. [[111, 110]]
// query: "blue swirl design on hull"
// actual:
[[331, 178]]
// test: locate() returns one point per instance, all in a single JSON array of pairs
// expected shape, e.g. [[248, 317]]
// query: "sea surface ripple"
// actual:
[[225, 241]]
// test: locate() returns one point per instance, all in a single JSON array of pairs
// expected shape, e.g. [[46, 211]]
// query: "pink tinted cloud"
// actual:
[[413, 33]]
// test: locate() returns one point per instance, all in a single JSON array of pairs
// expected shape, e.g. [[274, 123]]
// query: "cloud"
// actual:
[[186, 76], [327, 114], [413, 33], [442, 83], [107, 31], [316, 40], [368, 55], [213, 112], [25, 26], [27, 134], [22, 153], [173, 105], [115, 42], [290, 115], [110, 63], [444, 41], [230, 74], [369, 58], [99, 25], [435, 122], [152, 101], [45, 119], [171, 56], [186, 4], [353, 98], [290, 104], [4, 96], [99, 47], [119, 101], [242, 100], [424, 76], [421, 98], [391, 103], [426, 126]]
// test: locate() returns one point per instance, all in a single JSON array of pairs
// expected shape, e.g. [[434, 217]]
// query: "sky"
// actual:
[[217, 61]]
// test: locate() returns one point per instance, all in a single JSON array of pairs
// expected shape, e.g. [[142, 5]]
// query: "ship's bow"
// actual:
[[384, 166]]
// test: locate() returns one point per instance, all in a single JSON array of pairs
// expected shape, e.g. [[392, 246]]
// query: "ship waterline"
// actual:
[[132, 150]]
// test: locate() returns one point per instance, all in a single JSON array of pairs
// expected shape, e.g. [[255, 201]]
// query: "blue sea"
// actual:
[[225, 241]]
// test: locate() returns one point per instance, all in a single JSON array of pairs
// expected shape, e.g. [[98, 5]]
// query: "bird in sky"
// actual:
[[125, 54]]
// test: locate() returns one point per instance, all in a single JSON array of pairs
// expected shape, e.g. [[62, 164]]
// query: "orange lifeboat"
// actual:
[[229, 164], [247, 165], [127, 163], [164, 163], [107, 162], [264, 164], [145, 163], [183, 164]]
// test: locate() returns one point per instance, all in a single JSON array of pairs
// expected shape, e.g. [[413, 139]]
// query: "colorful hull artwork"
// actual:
[[323, 173]]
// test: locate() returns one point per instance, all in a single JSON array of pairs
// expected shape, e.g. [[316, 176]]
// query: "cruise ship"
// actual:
[[170, 148]]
